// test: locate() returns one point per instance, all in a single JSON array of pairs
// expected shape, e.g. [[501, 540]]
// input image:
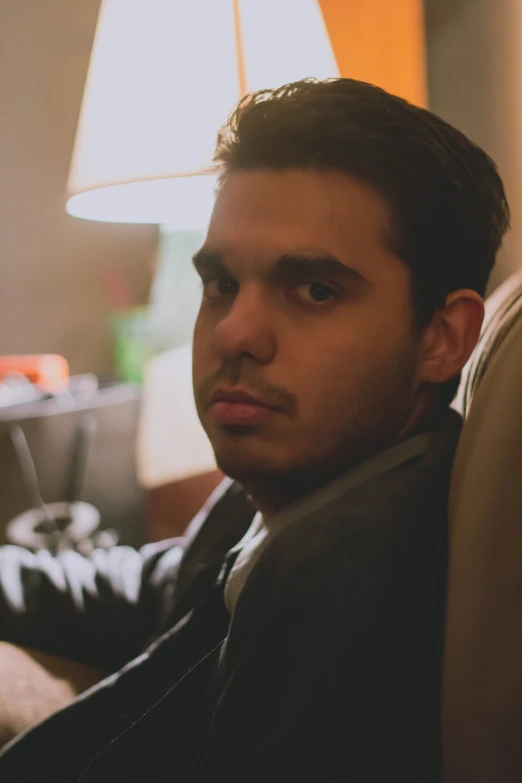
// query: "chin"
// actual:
[[242, 470], [245, 465]]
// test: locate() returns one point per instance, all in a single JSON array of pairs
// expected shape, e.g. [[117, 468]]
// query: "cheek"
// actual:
[[202, 364], [349, 345], [204, 329], [323, 372], [340, 364]]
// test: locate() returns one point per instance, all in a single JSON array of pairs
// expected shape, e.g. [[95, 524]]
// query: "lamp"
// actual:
[[163, 77]]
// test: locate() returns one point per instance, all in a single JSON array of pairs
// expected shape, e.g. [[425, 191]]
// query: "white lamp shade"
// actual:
[[163, 77]]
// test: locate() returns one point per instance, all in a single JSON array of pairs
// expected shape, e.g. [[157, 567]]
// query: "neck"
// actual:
[[274, 493], [422, 415]]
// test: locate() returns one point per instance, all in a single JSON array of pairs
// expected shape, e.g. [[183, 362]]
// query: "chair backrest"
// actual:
[[482, 682]]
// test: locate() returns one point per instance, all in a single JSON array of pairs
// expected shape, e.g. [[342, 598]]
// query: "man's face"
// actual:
[[306, 309]]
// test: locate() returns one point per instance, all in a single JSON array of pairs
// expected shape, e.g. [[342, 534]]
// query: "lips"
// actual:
[[237, 396], [234, 406]]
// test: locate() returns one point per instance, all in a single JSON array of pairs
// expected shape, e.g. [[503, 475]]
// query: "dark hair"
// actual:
[[447, 199]]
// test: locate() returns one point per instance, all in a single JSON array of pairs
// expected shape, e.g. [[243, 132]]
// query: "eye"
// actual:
[[315, 293], [219, 286]]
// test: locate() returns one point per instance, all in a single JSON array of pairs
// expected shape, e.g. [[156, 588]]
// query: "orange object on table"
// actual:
[[48, 371]]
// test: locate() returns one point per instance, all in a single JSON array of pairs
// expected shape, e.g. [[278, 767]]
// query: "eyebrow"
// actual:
[[311, 266], [287, 266]]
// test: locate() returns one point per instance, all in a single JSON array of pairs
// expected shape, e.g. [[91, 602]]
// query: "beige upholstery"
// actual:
[[33, 685], [482, 686]]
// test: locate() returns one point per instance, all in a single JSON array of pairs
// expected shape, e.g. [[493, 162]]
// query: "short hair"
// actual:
[[446, 198]]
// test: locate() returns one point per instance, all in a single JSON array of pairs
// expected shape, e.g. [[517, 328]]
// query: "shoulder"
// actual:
[[345, 588], [392, 512], [384, 540]]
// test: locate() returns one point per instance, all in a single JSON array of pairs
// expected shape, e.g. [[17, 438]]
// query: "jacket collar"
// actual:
[[227, 515]]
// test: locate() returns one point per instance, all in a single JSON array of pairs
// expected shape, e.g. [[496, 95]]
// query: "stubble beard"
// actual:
[[357, 424]]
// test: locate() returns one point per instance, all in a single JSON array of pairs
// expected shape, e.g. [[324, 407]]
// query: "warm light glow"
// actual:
[[184, 203], [163, 77]]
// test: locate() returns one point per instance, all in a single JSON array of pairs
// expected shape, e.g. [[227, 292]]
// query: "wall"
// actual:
[[474, 50], [52, 265]]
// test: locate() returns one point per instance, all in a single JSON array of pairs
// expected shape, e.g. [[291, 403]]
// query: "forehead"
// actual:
[[261, 214]]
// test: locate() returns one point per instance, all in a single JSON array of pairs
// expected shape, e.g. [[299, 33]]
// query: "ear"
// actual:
[[451, 336]]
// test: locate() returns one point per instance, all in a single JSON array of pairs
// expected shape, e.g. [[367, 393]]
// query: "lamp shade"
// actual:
[[163, 77]]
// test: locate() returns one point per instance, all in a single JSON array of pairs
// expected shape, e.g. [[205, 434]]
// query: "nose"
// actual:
[[247, 329]]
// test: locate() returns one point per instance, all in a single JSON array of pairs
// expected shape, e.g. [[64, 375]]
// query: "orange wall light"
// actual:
[[380, 41]]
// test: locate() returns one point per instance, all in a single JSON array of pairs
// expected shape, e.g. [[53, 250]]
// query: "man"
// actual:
[[342, 281]]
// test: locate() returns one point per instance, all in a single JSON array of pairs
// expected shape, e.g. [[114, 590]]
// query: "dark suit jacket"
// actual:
[[329, 669]]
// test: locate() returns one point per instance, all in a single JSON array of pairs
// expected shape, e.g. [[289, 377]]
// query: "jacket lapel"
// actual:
[[221, 523]]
